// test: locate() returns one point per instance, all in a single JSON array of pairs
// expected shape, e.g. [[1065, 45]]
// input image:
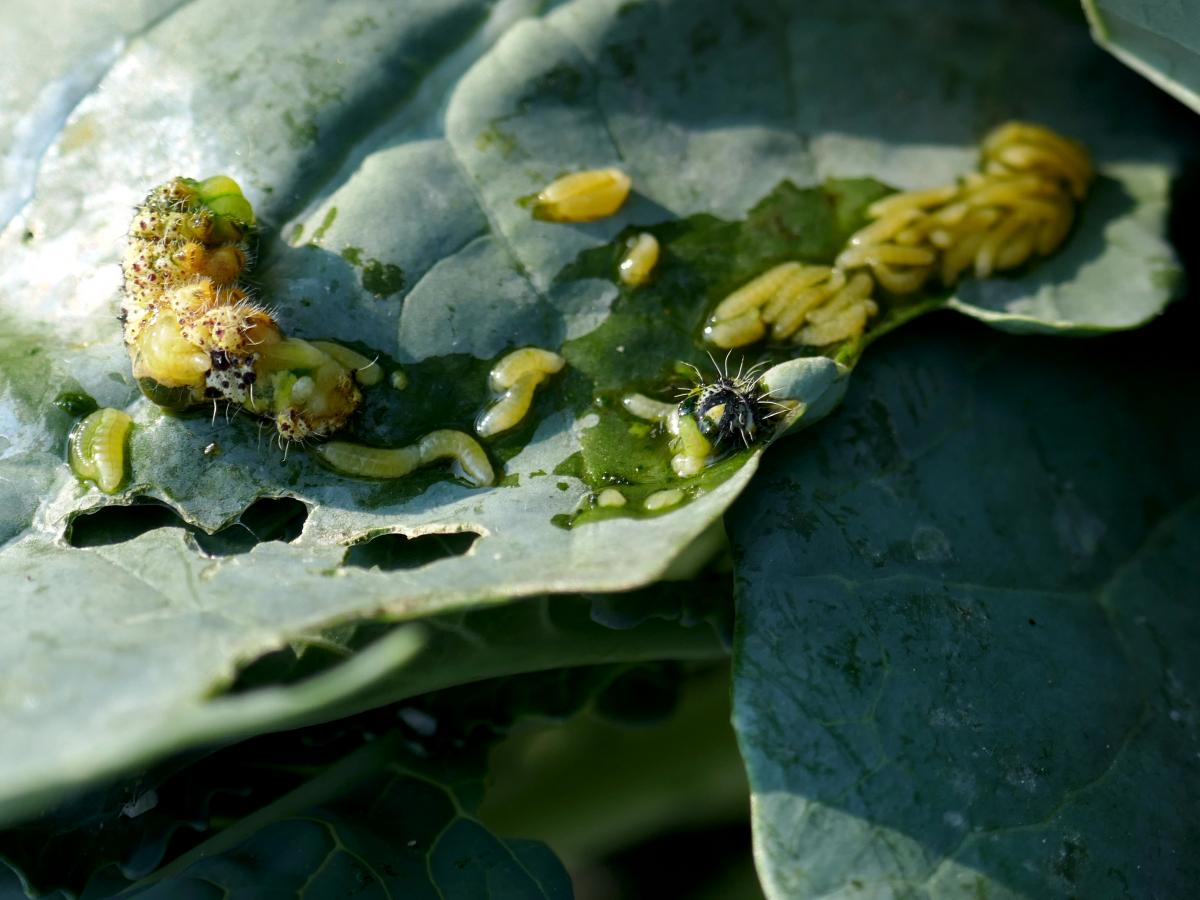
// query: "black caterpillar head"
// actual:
[[733, 411]]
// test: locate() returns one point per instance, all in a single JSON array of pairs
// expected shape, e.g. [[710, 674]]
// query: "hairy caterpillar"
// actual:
[[516, 377], [583, 196], [196, 335], [96, 448], [1021, 204], [712, 418]]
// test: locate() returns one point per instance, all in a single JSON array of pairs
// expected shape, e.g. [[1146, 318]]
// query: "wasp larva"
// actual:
[[96, 448], [664, 499], [516, 376], [647, 408], [583, 196], [1020, 204], [639, 260], [367, 372], [195, 334], [470, 459]]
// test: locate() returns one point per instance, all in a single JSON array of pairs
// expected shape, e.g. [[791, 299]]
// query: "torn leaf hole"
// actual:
[[266, 519], [393, 552]]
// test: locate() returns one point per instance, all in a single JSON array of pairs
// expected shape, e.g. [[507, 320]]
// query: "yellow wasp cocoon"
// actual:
[[905, 200], [639, 260], [736, 332], [399, 380], [517, 376], [375, 462], [663, 499], [610, 498], [583, 196], [755, 292], [96, 449]]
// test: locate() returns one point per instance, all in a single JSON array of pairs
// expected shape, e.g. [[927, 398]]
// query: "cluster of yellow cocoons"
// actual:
[[692, 450], [1020, 204], [195, 334]]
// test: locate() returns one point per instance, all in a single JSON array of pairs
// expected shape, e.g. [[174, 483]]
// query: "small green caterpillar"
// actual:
[[96, 448]]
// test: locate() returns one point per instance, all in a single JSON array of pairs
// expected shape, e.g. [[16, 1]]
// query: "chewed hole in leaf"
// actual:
[[266, 519], [393, 552]]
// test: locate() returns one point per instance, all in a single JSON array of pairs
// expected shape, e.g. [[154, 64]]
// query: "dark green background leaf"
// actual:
[[966, 660]]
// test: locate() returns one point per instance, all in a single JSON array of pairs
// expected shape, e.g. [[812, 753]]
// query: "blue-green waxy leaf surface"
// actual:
[[1158, 40], [968, 613], [387, 149]]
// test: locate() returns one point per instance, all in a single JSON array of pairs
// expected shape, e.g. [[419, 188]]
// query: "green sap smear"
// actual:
[[379, 278], [654, 329]]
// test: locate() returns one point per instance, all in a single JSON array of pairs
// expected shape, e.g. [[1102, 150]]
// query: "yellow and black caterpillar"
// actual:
[[195, 333]]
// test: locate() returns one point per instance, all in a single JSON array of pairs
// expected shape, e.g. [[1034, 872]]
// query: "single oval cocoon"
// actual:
[[583, 196]]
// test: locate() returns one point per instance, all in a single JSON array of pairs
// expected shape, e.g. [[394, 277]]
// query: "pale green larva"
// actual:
[[97, 448], [663, 500], [523, 362], [640, 259], [511, 408], [647, 408], [369, 462], [367, 372], [464, 450], [583, 196], [517, 376], [376, 462]]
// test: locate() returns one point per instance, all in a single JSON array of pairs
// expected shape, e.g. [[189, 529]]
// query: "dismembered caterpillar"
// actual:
[[194, 331], [1019, 205]]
